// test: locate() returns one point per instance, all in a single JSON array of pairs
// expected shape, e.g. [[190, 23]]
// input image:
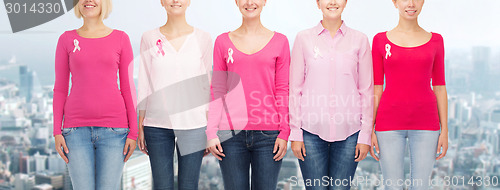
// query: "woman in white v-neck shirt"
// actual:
[[173, 94]]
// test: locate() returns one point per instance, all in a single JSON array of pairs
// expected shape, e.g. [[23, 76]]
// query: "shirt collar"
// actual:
[[319, 29]]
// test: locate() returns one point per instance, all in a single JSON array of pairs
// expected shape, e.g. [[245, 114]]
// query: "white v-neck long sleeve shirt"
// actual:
[[174, 87]]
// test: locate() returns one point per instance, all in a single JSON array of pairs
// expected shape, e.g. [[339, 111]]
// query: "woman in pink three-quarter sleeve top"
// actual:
[[95, 126], [331, 98], [408, 110], [248, 122], [173, 93]]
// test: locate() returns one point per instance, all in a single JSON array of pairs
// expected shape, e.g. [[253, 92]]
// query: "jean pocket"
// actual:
[[67, 131], [272, 134], [119, 131]]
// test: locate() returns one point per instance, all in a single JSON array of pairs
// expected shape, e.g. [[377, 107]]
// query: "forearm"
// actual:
[[442, 105], [378, 90]]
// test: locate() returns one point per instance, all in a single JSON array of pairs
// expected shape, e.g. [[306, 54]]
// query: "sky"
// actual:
[[463, 24]]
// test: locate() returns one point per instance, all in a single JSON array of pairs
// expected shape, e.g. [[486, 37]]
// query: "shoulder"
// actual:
[[437, 37], [201, 33], [280, 36], [304, 33], [120, 33], [149, 34], [68, 35], [222, 39], [358, 34], [380, 36], [202, 36]]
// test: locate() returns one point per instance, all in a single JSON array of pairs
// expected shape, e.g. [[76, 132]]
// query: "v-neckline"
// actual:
[[166, 41], [234, 46]]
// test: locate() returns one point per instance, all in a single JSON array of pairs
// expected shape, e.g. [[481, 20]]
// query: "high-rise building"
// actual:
[[481, 72], [26, 80]]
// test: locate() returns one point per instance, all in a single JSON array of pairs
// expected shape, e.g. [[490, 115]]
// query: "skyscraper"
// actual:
[[26, 81], [481, 72]]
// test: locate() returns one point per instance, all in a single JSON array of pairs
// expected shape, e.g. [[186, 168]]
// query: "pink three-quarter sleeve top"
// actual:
[[408, 102]]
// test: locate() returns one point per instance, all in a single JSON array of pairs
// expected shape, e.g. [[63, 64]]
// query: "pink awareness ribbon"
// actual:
[[159, 44]]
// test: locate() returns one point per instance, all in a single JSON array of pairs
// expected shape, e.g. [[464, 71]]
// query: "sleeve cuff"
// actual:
[[284, 135], [296, 135], [211, 134], [365, 138]]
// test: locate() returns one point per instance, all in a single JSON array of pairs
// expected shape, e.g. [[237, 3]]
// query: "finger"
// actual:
[[214, 152], [145, 150], [372, 152], [356, 154], [58, 149], [125, 149], [281, 153], [376, 147], [219, 147], [442, 155], [65, 147], [304, 150], [140, 143], [129, 154], [276, 144], [278, 151], [299, 156], [439, 148], [362, 156]]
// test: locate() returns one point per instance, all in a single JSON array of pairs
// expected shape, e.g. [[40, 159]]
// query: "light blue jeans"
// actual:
[[422, 146], [95, 157]]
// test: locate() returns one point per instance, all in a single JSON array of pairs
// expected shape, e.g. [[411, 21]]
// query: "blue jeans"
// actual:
[[328, 165], [95, 156], [423, 147], [245, 149], [190, 146]]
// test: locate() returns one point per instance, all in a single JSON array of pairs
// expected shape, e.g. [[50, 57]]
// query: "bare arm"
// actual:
[[442, 105]]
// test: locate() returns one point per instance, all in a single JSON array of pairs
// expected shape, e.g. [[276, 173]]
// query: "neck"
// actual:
[[92, 24], [408, 25], [253, 25], [176, 23], [332, 25]]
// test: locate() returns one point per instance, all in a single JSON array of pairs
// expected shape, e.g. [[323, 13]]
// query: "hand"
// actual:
[[279, 149], [206, 152], [442, 145], [374, 145], [141, 142], [215, 148], [61, 142], [129, 147], [299, 149], [361, 152]]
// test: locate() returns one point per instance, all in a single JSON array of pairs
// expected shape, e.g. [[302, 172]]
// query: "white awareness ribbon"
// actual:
[[317, 52], [387, 51], [230, 56], [76, 45]]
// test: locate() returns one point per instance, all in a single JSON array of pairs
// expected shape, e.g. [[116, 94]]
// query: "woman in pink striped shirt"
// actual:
[[331, 103], [247, 122], [99, 119]]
